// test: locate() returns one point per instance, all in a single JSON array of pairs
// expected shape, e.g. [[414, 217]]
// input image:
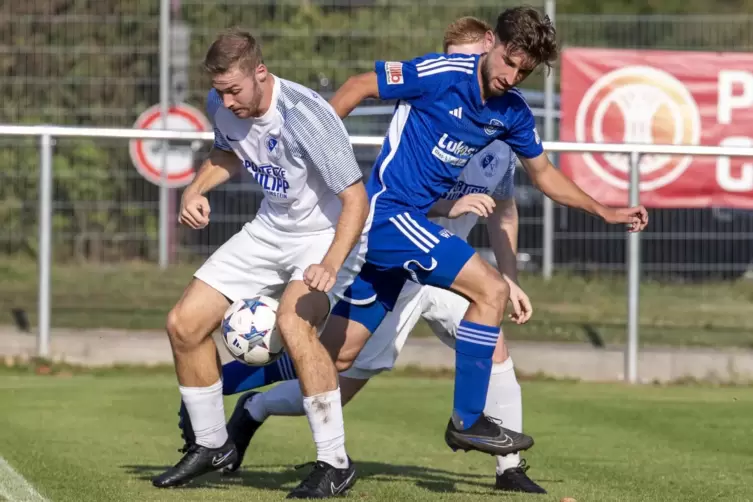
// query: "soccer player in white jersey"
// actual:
[[313, 214], [486, 189]]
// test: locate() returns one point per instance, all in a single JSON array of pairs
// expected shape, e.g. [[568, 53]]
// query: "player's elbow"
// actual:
[[353, 92], [364, 85], [538, 178], [545, 178], [225, 159]]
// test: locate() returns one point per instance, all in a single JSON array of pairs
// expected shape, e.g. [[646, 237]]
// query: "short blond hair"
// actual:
[[233, 47], [466, 30]]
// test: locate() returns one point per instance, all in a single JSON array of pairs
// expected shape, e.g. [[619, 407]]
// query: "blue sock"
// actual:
[[474, 347], [238, 377]]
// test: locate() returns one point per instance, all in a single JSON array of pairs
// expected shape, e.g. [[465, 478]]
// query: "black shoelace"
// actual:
[[520, 476], [523, 465], [315, 477]]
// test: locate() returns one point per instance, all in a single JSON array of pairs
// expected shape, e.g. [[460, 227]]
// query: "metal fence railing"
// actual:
[[79, 64], [47, 135]]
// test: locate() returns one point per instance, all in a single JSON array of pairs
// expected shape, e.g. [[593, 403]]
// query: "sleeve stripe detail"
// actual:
[[458, 64], [319, 136], [443, 58], [444, 69]]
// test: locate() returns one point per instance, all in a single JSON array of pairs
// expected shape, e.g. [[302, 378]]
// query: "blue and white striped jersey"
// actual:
[[299, 152]]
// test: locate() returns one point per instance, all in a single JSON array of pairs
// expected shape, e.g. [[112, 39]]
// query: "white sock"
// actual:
[[204, 406], [325, 414], [284, 399], [504, 402]]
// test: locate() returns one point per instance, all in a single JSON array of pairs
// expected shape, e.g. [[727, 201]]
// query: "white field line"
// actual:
[[14, 487]]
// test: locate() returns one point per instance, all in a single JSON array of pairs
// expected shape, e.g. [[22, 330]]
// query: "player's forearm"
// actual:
[[350, 225], [502, 227], [353, 92], [441, 208], [562, 190], [219, 167]]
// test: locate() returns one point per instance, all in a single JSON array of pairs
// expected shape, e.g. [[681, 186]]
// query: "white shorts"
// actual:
[[262, 260], [441, 309]]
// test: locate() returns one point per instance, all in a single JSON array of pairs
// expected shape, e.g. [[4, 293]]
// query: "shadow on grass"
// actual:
[[284, 477]]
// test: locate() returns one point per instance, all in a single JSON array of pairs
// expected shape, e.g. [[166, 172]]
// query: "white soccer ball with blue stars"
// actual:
[[248, 329]]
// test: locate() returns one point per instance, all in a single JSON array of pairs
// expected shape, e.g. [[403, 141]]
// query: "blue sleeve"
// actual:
[[523, 137], [420, 76], [214, 102]]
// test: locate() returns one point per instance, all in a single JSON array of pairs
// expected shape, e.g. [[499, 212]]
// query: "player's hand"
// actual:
[[479, 204], [636, 218], [194, 210], [521, 304], [320, 277]]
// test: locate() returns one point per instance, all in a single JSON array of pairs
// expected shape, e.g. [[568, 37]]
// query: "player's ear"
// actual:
[[488, 41], [261, 73]]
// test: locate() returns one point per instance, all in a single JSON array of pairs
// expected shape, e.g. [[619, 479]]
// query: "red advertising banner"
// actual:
[[661, 97]]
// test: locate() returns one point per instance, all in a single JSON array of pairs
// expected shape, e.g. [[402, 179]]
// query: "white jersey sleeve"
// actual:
[[321, 139], [214, 102], [506, 188]]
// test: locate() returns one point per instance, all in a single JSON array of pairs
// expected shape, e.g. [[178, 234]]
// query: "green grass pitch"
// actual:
[[101, 437]]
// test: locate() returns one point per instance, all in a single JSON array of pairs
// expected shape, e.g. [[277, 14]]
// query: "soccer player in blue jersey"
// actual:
[[450, 107]]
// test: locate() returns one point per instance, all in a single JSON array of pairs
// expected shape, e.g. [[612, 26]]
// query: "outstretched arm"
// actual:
[[562, 190]]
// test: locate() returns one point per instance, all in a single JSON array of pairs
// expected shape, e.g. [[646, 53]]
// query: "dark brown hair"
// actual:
[[466, 30], [524, 29], [232, 47]]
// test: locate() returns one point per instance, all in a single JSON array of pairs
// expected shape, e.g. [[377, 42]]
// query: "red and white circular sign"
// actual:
[[146, 154]]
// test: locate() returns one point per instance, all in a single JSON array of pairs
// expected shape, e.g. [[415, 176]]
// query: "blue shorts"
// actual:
[[406, 246]]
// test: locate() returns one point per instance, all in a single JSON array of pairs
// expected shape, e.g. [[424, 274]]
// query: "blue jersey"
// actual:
[[439, 123]]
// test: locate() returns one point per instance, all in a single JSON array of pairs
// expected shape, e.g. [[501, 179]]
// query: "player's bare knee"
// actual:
[[300, 314], [287, 324], [294, 330], [493, 295], [343, 363], [182, 336]]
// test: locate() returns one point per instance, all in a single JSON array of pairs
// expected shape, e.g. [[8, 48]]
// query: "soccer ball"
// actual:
[[248, 330]]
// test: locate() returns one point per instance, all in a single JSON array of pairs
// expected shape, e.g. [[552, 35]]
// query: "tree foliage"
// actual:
[[95, 62]]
